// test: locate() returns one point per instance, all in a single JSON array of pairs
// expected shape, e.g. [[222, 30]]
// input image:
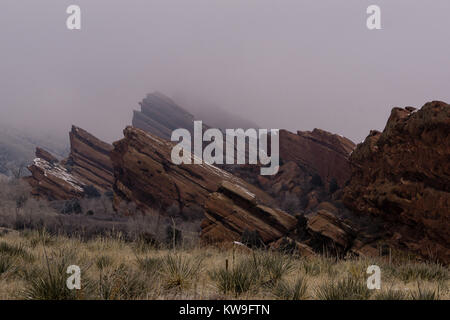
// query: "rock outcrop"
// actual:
[[305, 156], [402, 175], [146, 176], [232, 210], [159, 116], [310, 163], [90, 159], [318, 151], [87, 166], [53, 181]]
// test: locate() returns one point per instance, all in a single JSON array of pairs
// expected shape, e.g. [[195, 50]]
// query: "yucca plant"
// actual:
[[421, 271], [7, 264], [49, 281], [311, 267], [121, 283], [180, 271], [291, 291], [238, 280], [274, 267], [15, 250], [103, 262], [391, 294], [151, 266], [425, 294], [349, 288]]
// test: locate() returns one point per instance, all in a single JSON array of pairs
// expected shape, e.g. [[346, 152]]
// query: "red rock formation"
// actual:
[[53, 181], [87, 165], [305, 157], [402, 175], [232, 210], [90, 159], [160, 115], [318, 151], [45, 155], [146, 175]]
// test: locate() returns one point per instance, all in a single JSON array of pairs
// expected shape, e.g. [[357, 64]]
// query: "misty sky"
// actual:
[[282, 64]]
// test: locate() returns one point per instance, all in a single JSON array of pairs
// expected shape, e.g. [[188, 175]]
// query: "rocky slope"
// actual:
[[87, 166], [402, 175]]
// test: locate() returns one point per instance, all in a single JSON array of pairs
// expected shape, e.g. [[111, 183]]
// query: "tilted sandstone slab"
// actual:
[[146, 176], [87, 165], [53, 181], [232, 210], [402, 175], [90, 159], [318, 151], [160, 115], [327, 225]]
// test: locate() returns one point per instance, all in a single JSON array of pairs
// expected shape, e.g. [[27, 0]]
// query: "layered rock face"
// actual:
[[53, 181], [318, 151], [90, 159], [146, 175], [402, 175], [87, 165], [304, 156], [310, 162], [232, 210], [159, 116]]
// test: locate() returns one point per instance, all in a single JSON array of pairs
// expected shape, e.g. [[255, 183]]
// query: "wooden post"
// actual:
[[226, 264]]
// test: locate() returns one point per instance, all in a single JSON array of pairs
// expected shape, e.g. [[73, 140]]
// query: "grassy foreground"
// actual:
[[33, 265]]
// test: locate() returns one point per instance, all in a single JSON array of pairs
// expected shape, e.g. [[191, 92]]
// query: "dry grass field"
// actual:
[[33, 265]]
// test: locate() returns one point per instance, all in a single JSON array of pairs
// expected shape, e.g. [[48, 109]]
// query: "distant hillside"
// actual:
[[17, 147]]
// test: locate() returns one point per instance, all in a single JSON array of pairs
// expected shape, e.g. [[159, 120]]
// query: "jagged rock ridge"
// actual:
[[88, 165], [160, 115]]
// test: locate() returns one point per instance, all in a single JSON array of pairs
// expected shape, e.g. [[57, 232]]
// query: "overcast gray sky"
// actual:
[[282, 64]]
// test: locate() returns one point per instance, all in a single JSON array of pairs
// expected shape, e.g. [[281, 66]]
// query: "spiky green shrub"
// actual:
[[41, 237], [349, 288], [421, 271], [317, 266], [15, 250], [180, 271], [291, 291], [425, 294], [103, 262], [6, 264], [274, 267], [240, 279], [149, 265], [121, 283], [48, 282], [311, 267], [391, 294]]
